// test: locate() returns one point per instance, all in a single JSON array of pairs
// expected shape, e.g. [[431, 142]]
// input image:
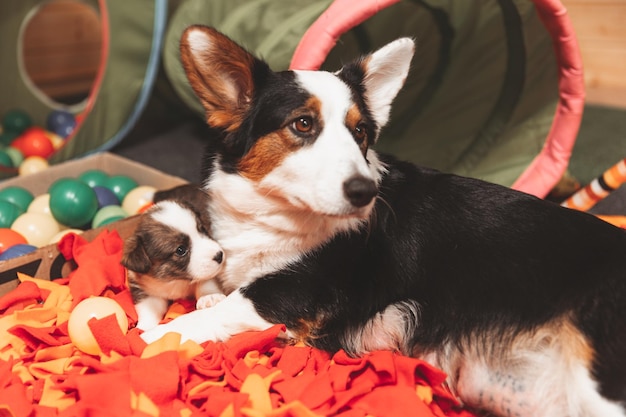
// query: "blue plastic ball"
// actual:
[[17, 250], [105, 197], [61, 122]]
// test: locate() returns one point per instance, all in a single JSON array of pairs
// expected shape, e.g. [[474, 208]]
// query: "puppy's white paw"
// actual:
[[235, 314], [209, 300]]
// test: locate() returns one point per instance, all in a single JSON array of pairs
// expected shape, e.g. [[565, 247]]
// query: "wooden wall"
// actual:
[[601, 30], [61, 46]]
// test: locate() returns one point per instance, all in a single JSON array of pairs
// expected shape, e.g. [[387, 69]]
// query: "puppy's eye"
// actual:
[[360, 133], [303, 124], [182, 251]]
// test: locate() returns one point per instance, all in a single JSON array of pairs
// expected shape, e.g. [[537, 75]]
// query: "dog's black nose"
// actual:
[[219, 257], [359, 190]]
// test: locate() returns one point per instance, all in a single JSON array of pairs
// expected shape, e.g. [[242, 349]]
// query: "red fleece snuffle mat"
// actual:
[[43, 374]]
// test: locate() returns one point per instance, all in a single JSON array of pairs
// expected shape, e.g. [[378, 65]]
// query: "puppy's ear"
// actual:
[[383, 75], [221, 74], [135, 256]]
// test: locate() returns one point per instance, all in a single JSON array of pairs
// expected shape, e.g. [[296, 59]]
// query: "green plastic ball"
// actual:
[[5, 159], [120, 185], [7, 137], [16, 121], [19, 196], [94, 178], [72, 202], [8, 213], [16, 156], [108, 214]]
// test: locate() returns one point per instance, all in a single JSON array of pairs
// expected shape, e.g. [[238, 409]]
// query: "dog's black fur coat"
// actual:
[[458, 255]]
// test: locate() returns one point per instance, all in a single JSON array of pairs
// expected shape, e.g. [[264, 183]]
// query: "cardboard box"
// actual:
[[47, 262]]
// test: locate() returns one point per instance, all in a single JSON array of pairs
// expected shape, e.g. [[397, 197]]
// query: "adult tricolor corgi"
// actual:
[[521, 302]]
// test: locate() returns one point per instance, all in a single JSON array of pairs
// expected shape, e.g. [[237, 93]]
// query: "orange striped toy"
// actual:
[[587, 197]]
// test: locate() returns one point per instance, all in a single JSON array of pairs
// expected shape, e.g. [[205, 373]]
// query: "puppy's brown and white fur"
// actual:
[[520, 301], [171, 255]]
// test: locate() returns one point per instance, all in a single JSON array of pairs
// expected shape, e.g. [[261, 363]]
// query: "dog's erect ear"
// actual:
[[384, 74], [221, 74], [135, 257]]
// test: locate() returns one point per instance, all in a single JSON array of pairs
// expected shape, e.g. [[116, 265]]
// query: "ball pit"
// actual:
[[26, 140], [89, 199]]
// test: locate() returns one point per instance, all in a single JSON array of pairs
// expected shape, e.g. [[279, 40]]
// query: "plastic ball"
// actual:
[[107, 215], [94, 178], [6, 138], [34, 142], [72, 202], [56, 238], [17, 250], [16, 121], [8, 213], [16, 156], [9, 238], [33, 165], [41, 204], [89, 308], [61, 122], [56, 140], [37, 228], [138, 198], [120, 185], [5, 159], [19, 196], [105, 197], [61, 182]]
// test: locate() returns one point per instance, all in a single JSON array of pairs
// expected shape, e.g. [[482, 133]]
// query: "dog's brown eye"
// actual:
[[303, 124], [360, 133], [182, 251]]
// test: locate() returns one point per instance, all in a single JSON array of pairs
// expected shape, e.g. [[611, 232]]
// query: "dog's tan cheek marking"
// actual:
[[269, 151], [353, 118], [266, 154]]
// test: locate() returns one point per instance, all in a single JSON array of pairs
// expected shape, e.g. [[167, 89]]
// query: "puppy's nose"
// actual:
[[219, 257], [359, 190]]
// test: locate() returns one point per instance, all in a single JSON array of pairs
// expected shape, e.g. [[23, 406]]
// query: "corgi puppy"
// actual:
[[171, 255], [520, 301]]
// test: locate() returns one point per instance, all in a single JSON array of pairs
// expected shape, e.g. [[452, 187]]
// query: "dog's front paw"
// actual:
[[195, 326], [209, 300], [156, 332]]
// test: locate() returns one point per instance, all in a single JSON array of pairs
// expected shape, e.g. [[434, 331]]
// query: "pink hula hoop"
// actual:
[[549, 165]]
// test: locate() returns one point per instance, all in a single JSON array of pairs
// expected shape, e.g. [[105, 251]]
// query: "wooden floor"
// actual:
[[601, 32]]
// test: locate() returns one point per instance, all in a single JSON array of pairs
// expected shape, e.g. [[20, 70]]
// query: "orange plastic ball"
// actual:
[[93, 307], [34, 142], [10, 238]]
